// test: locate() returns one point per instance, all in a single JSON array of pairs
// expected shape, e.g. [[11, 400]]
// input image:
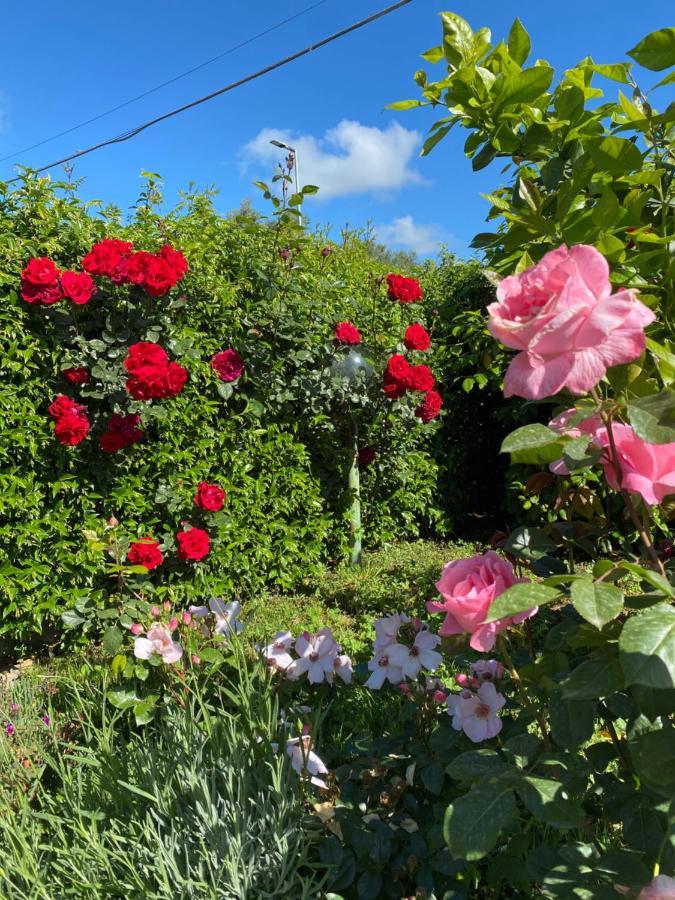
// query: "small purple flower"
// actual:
[[46, 719], [284, 253], [9, 729]]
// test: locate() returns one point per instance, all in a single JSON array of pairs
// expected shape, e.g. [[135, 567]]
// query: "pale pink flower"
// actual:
[[387, 628], [316, 653], [277, 653], [468, 588], [646, 469], [226, 614], [195, 659], [476, 714], [420, 655], [342, 666], [159, 641], [661, 888], [383, 669], [305, 761], [568, 326], [487, 670]]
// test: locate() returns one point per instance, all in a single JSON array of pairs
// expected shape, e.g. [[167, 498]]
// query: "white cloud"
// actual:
[[349, 159], [407, 234]]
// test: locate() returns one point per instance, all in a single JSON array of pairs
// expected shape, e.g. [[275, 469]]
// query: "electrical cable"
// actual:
[[164, 84], [127, 135]]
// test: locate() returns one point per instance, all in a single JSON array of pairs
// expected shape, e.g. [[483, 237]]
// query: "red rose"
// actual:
[[41, 295], [122, 431], [175, 377], [62, 405], [77, 375], [143, 357], [135, 267], [420, 378], [392, 387], [146, 553], [416, 337], [366, 456], [193, 544], [72, 428], [228, 365], [346, 333], [40, 271], [176, 261], [398, 367], [78, 287], [209, 496], [104, 258], [430, 407], [405, 290], [159, 277]]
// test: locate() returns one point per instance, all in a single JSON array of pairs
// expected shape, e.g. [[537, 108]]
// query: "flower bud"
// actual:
[[155, 611], [112, 522], [136, 628], [187, 618], [173, 623]]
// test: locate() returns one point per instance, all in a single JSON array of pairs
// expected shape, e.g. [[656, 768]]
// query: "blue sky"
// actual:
[[62, 69]]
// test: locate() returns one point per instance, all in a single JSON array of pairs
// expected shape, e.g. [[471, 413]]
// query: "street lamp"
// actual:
[[282, 146]]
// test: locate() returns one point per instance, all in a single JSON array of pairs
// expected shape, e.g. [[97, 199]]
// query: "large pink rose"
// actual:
[[568, 326], [646, 469], [661, 888], [468, 588]]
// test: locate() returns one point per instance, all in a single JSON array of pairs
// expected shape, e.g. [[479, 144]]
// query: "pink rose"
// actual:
[[468, 588], [228, 365], [646, 469], [568, 326], [661, 888]]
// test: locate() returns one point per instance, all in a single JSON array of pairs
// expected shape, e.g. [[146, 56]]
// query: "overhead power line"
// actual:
[[127, 135], [164, 84]]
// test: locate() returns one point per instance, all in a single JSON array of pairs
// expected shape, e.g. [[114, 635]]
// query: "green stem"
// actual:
[[527, 703]]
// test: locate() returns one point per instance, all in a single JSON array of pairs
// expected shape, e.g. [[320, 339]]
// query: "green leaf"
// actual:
[[121, 698], [606, 210], [594, 678], [657, 581], [519, 598], [144, 711], [309, 189], [548, 801], [597, 602], [669, 79], [457, 38], [518, 42], [476, 765], [656, 755], [431, 141], [118, 664], [528, 543], [614, 71], [533, 444], [112, 639], [525, 87], [433, 54], [614, 155], [404, 104], [653, 417], [572, 721], [647, 647], [473, 823], [225, 389], [71, 618], [656, 51]]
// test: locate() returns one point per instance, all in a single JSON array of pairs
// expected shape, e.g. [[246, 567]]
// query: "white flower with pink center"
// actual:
[[387, 628], [316, 654], [420, 655], [476, 714], [342, 667], [160, 641], [277, 653], [305, 761], [383, 669]]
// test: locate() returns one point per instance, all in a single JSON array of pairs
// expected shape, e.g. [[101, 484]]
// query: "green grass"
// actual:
[[400, 578]]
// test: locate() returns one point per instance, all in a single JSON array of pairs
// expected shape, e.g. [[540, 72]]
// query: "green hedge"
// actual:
[[282, 466]]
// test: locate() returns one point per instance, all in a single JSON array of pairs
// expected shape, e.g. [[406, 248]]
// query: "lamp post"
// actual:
[[282, 146], [349, 367]]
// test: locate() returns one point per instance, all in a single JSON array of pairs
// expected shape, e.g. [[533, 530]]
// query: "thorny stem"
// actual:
[[627, 499], [527, 703]]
